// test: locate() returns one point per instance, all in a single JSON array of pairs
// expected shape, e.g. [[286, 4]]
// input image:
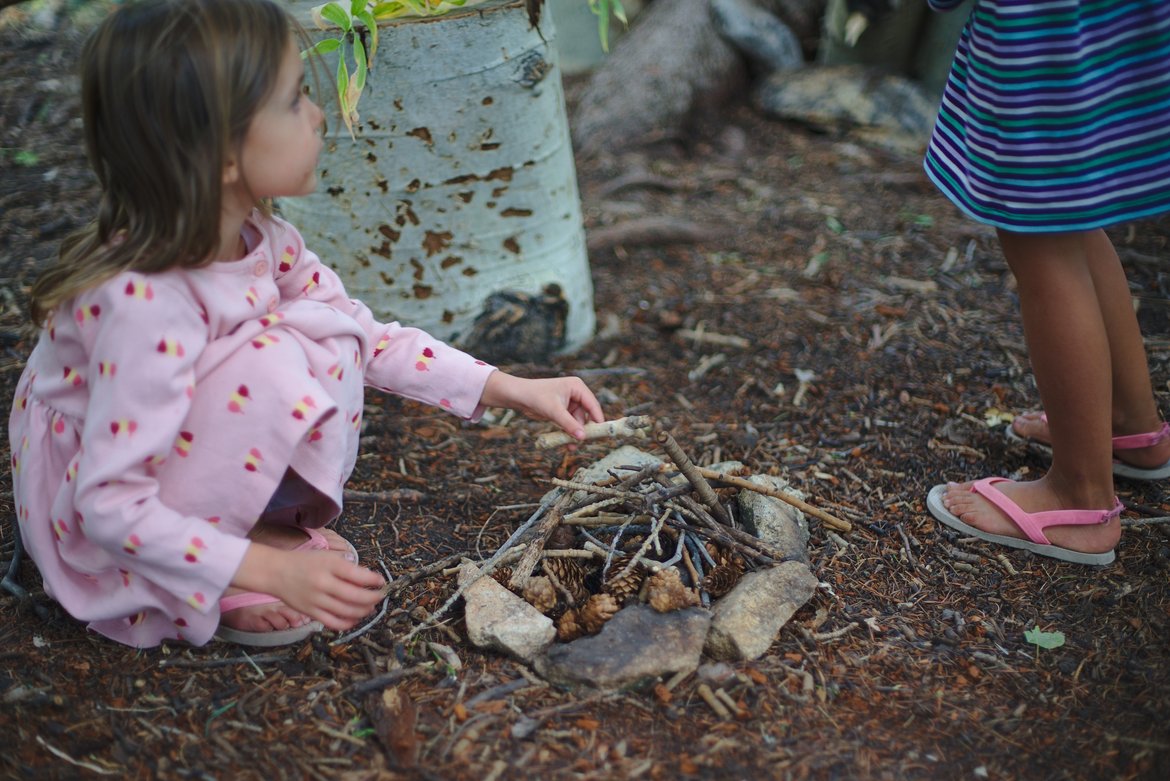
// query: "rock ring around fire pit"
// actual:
[[636, 577]]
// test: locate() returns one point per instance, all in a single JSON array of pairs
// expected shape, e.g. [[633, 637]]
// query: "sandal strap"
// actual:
[[245, 599], [1034, 524], [1135, 441]]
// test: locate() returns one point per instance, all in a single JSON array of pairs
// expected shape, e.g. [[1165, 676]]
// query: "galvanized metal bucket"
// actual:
[[461, 182]]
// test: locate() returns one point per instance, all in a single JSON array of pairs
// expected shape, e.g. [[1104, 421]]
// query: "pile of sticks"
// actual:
[[679, 523]]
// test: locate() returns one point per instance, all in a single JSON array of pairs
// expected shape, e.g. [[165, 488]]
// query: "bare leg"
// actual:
[[1133, 408], [277, 615], [1070, 350]]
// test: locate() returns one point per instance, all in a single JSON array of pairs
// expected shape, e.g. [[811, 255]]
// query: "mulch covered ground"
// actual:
[[840, 265]]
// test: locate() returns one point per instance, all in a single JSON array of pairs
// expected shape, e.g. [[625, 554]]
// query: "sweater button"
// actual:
[[260, 268], [272, 302]]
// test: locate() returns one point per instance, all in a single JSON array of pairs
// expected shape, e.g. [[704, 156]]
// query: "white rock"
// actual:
[[747, 620], [498, 619]]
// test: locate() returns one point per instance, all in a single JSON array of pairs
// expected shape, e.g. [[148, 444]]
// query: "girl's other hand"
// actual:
[[566, 401], [320, 584]]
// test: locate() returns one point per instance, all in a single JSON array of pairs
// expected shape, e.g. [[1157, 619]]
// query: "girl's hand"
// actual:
[[320, 584], [566, 401]]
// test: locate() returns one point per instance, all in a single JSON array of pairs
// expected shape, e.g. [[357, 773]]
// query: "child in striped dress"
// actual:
[[185, 425], [1055, 123]]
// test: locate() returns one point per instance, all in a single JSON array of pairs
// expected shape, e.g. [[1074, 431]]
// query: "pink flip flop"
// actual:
[[1032, 524], [275, 637], [1126, 442]]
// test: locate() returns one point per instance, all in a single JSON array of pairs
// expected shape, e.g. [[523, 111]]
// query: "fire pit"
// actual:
[[639, 565]]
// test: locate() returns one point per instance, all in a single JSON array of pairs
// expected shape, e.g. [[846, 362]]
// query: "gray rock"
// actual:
[[498, 619], [888, 110], [773, 520], [626, 455], [760, 36], [637, 645], [746, 621]]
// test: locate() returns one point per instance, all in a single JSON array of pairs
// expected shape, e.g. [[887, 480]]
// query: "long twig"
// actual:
[[746, 545], [829, 520], [385, 679], [409, 578], [90, 766], [1145, 521], [651, 539], [245, 659], [693, 476], [389, 497], [522, 570], [596, 490]]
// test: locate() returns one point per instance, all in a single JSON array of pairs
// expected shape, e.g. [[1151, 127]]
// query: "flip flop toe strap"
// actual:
[[1034, 524], [245, 599]]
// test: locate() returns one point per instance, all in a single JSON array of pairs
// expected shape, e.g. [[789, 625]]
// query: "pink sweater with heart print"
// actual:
[[159, 413]]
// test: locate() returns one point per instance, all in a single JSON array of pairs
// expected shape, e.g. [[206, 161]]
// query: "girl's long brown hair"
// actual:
[[168, 89]]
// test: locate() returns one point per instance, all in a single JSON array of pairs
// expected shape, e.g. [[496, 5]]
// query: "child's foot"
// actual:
[[1151, 451], [1036, 496], [271, 616]]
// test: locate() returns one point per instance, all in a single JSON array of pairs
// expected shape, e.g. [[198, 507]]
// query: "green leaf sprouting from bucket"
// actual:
[[355, 54]]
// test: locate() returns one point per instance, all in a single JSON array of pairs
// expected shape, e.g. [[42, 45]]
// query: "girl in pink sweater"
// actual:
[[185, 425]]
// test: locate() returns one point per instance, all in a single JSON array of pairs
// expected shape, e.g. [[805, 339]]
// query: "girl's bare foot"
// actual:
[[1032, 497], [1033, 426], [273, 616]]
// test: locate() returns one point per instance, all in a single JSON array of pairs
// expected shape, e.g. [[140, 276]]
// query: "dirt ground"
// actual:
[[838, 263]]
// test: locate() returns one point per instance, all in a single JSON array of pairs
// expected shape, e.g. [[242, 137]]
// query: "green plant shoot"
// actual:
[[603, 9], [350, 48], [354, 62]]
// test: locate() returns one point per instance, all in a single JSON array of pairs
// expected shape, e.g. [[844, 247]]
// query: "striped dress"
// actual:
[[1056, 114]]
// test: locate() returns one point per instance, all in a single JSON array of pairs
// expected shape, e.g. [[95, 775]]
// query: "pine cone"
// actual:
[[722, 579], [502, 575], [571, 574], [623, 587], [598, 609], [666, 592], [568, 627], [539, 593]]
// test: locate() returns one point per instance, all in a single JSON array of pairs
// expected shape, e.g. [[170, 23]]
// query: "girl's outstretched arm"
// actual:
[[566, 401]]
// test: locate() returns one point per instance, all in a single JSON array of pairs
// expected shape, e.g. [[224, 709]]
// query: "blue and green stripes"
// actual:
[[1056, 116]]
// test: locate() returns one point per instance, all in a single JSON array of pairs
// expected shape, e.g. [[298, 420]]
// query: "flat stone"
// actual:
[[501, 621], [888, 110], [747, 621], [636, 646]]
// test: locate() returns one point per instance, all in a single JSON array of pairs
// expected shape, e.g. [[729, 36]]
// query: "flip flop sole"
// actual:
[[1137, 473], [934, 503], [273, 639]]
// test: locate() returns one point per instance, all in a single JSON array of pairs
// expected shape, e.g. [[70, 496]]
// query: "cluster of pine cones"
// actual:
[[580, 597]]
